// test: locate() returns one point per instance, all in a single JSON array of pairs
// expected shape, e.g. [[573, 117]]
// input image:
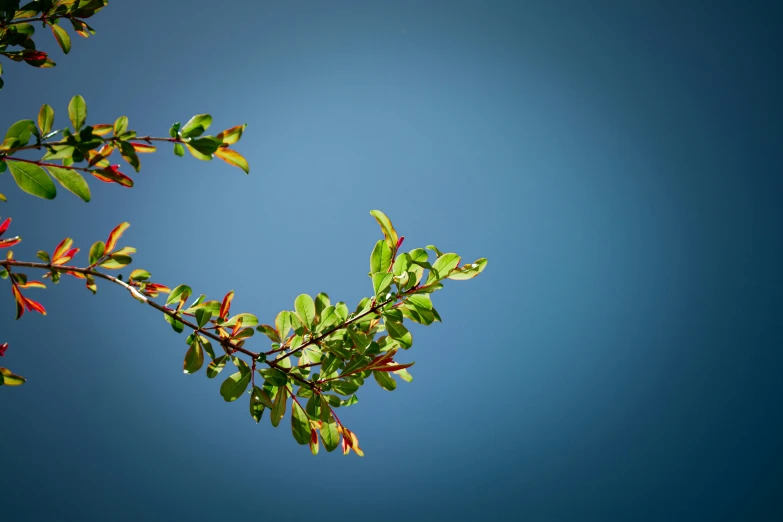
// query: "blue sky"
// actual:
[[619, 165]]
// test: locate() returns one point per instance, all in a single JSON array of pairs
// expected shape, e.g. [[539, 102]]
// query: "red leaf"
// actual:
[[33, 305], [63, 246], [32, 284], [114, 236], [19, 301], [3, 348], [11, 241], [4, 226], [225, 306], [66, 257], [112, 175]]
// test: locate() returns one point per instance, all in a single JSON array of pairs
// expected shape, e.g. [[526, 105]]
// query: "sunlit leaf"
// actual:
[[32, 179], [77, 112], [233, 158], [63, 40], [386, 226], [72, 181]]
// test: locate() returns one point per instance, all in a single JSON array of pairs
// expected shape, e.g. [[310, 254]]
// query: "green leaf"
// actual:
[[216, 366], [72, 181], [269, 332], [22, 130], [469, 271], [63, 40], [120, 125], [196, 125], [256, 405], [32, 179], [361, 341], [330, 435], [404, 375], [442, 267], [421, 301], [233, 387], [9, 379], [300, 424], [247, 320], [45, 119], [386, 226], [321, 304], [278, 408], [203, 316], [344, 387], [179, 150], [175, 324], [206, 145], [129, 154], [381, 282], [207, 346], [194, 358], [434, 249], [380, 258], [77, 112], [180, 293], [96, 251], [43, 256], [274, 376], [385, 380], [283, 324], [264, 398], [139, 275], [399, 333], [350, 401], [305, 309], [116, 261]]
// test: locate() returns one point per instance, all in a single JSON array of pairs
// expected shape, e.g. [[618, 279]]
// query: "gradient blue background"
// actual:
[[619, 163]]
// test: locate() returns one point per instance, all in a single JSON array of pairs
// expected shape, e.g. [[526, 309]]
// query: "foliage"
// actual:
[[318, 354]]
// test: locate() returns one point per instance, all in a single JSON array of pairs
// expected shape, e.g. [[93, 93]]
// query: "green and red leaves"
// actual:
[[468, 271], [350, 441], [233, 158], [11, 241], [23, 303], [8, 378], [386, 227], [179, 295], [225, 306], [114, 236], [62, 38], [112, 174], [63, 252], [232, 135]]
